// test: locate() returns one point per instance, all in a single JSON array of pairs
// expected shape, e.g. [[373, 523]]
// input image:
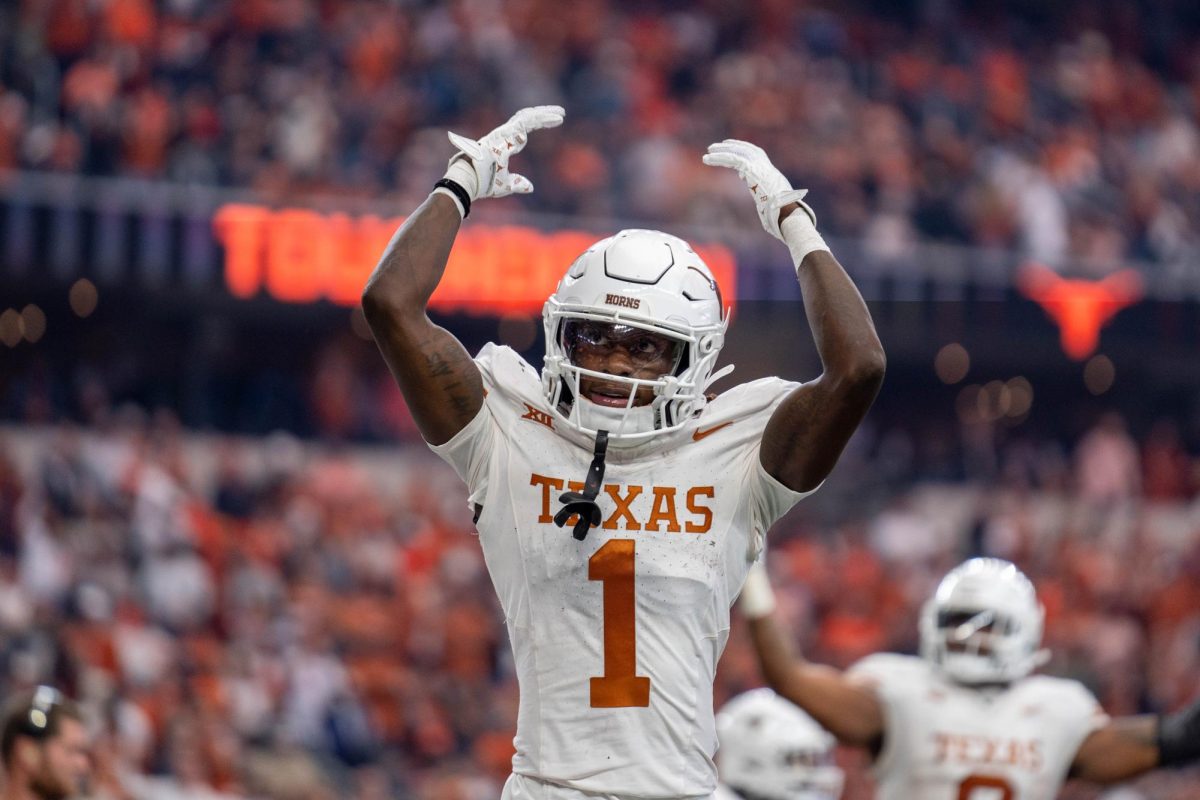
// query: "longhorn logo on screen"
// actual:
[[1080, 308]]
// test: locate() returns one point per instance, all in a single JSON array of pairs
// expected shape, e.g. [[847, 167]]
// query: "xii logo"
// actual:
[[537, 415]]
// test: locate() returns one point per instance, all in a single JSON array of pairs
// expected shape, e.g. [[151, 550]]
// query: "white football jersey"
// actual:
[[616, 637], [946, 741]]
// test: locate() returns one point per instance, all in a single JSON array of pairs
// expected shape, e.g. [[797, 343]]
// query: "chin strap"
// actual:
[[584, 503], [716, 376]]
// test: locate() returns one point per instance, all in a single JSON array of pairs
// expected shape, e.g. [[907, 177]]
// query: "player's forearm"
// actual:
[[781, 664], [847, 343], [1122, 750], [777, 658], [850, 350], [412, 264], [772, 644], [440, 382], [849, 711]]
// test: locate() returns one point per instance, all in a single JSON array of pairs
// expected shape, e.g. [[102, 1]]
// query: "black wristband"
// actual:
[[1179, 736], [459, 192]]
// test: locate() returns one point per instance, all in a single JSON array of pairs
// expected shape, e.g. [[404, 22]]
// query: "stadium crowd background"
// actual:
[[299, 619], [269, 618], [1067, 130]]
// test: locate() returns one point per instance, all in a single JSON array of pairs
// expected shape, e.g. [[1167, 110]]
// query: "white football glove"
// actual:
[[772, 191], [481, 167]]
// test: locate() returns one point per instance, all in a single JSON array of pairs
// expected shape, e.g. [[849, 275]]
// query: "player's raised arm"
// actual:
[[440, 382], [849, 710], [805, 437], [1129, 746]]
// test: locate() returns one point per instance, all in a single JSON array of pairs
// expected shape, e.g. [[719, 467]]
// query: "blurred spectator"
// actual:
[[1054, 131], [45, 746], [1167, 472], [1107, 465]]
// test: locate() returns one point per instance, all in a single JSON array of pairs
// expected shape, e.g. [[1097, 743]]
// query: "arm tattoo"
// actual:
[[442, 367], [438, 366], [461, 403]]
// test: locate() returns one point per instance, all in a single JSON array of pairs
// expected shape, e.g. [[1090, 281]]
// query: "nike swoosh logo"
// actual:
[[699, 434]]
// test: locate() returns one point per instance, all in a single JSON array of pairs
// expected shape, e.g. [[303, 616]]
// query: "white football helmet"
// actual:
[[646, 280], [770, 749], [984, 624]]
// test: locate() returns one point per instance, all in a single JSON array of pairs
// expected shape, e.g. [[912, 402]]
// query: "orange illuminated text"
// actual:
[[303, 256]]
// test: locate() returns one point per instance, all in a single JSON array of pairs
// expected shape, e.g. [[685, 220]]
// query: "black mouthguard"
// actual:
[[584, 503]]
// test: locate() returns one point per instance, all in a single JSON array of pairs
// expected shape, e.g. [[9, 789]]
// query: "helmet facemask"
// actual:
[[673, 391]]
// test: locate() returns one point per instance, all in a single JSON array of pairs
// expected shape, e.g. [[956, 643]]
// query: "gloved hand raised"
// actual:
[[480, 167], [772, 192]]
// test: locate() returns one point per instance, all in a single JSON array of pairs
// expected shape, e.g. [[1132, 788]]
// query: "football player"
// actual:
[[967, 720], [771, 750], [618, 505]]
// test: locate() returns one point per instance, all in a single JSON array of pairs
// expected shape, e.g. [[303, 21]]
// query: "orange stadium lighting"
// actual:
[[303, 256]]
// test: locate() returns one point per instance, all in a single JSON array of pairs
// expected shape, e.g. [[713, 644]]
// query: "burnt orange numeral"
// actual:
[[972, 782], [619, 686]]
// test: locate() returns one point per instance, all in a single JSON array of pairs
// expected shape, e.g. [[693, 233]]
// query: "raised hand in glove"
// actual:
[[480, 167], [772, 192]]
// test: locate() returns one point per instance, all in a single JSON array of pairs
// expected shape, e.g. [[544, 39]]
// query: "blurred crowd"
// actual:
[[267, 618], [1068, 131], [271, 619]]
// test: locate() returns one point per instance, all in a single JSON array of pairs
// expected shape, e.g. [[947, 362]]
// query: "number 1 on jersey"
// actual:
[[619, 686]]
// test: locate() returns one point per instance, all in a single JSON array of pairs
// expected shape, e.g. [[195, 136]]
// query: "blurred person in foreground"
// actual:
[[771, 750], [968, 719], [45, 747], [665, 490]]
